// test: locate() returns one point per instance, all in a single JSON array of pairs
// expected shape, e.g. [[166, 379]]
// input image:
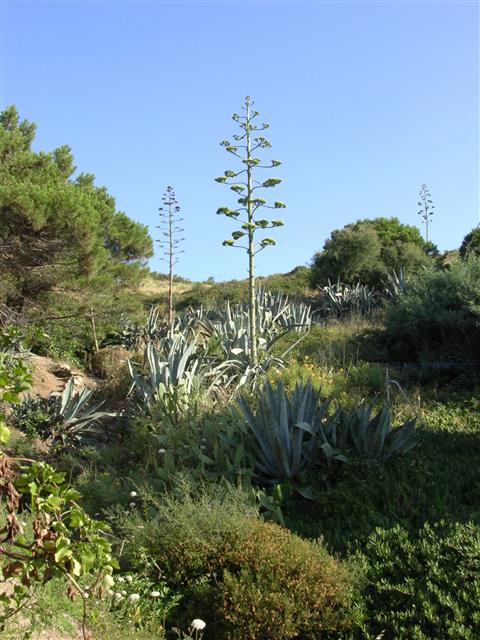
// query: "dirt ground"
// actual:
[[51, 376]]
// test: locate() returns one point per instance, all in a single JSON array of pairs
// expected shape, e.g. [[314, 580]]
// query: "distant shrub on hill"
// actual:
[[438, 315], [367, 250]]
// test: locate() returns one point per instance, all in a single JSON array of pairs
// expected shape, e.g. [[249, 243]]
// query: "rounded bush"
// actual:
[[248, 579]]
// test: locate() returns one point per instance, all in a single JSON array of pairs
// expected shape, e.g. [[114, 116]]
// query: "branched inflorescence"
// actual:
[[250, 203]]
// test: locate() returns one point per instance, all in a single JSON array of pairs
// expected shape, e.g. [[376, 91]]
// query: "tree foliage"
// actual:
[[471, 243], [367, 250], [57, 229]]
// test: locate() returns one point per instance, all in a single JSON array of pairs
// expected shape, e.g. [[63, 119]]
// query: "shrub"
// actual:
[[426, 585], [367, 250], [110, 362], [246, 578], [438, 315], [281, 586]]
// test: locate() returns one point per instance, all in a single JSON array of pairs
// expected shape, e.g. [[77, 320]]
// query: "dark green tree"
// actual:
[[367, 250], [471, 243], [246, 144], [57, 232], [426, 208], [171, 230]]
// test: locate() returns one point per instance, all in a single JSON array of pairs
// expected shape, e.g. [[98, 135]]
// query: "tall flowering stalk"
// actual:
[[244, 148], [170, 228], [426, 208]]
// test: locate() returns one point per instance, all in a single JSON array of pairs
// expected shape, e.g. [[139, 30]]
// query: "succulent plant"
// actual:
[[288, 431]]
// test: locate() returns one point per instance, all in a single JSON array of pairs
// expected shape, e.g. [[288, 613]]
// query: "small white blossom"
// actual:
[[133, 494], [203, 448], [118, 596], [134, 597], [132, 504], [108, 582], [120, 579], [161, 451], [109, 592], [124, 593], [198, 625], [129, 578], [155, 594]]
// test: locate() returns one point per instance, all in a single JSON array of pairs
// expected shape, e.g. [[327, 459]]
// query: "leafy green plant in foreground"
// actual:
[[63, 541]]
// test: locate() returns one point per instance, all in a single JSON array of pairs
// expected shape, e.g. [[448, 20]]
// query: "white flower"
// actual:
[[120, 579], [109, 592], [155, 594], [108, 582], [124, 593], [129, 578], [134, 597], [198, 625], [161, 451], [133, 494], [203, 448], [118, 596], [132, 504]]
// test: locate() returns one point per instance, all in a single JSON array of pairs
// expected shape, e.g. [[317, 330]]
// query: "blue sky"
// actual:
[[366, 101]]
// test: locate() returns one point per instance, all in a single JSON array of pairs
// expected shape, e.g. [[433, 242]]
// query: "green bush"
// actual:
[[424, 586], [367, 250], [246, 578], [438, 316]]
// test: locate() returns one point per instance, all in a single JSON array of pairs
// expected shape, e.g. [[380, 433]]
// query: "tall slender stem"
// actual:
[[251, 250], [170, 280]]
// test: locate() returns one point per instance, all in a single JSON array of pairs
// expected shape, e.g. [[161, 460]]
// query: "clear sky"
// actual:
[[366, 101]]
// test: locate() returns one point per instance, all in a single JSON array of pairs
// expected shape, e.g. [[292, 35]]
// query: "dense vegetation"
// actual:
[[330, 490]]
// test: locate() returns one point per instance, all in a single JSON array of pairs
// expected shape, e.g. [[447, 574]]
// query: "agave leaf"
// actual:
[[402, 440], [379, 432], [304, 426], [306, 492]]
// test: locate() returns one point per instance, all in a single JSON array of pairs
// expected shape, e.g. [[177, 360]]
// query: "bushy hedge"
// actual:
[[438, 316]]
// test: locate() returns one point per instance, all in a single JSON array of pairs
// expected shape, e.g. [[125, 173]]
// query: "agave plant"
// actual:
[[288, 432], [341, 299], [374, 437], [395, 284], [174, 363], [134, 336], [70, 416]]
